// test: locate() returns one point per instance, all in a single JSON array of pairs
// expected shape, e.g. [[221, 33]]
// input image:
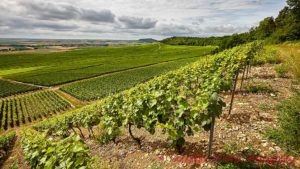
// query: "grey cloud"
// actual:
[[198, 21], [51, 11], [174, 30], [20, 23], [227, 29], [97, 16], [137, 22]]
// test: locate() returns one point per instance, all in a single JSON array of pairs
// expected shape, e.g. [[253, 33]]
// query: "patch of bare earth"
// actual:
[[242, 130]]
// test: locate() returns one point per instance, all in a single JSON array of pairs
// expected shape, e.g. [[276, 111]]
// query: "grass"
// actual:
[[270, 55], [100, 87], [281, 70], [62, 67], [17, 70], [8, 88], [287, 134], [258, 87], [290, 53], [266, 107]]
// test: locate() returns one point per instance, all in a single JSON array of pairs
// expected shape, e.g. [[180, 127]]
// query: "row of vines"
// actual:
[[6, 142], [181, 103], [19, 110]]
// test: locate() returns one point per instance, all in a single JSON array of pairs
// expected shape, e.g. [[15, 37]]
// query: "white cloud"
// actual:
[[130, 19]]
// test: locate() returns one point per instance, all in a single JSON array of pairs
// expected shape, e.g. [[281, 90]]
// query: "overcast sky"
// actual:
[[131, 19]]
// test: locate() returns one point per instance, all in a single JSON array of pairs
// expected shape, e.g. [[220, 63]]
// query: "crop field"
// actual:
[[8, 88], [30, 107], [59, 68], [102, 86]]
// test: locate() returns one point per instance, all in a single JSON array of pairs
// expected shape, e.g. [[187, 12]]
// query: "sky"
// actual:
[[131, 19]]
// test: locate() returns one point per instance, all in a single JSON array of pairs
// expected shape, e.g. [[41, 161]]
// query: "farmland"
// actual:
[[23, 109], [8, 88], [102, 86], [59, 68], [88, 73]]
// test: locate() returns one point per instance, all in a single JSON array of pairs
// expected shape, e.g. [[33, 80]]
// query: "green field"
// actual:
[[30, 107], [8, 88], [102, 86], [62, 67]]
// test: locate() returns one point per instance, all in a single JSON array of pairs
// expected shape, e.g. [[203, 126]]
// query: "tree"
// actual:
[[294, 5], [266, 28]]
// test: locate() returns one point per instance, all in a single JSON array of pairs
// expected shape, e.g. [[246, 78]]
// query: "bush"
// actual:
[[287, 133], [281, 70]]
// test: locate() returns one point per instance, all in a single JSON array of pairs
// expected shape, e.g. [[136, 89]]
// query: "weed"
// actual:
[[155, 166], [230, 148], [281, 70], [258, 88], [265, 107]]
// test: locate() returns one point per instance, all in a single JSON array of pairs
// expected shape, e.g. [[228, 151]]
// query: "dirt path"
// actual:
[[73, 100], [24, 83]]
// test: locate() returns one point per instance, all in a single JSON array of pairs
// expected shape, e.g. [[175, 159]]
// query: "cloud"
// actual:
[[29, 24], [51, 11], [97, 16], [129, 19], [137, 22], [225, 29]]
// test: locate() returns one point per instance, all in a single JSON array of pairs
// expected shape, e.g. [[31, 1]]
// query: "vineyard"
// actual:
[[20, 110], [176, 105], [83, 63], [150, 84], [6, 142], [8, 88], [100, 87], [180, 103]]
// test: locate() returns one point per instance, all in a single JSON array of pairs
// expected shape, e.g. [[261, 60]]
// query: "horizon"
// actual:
[[131, 19]]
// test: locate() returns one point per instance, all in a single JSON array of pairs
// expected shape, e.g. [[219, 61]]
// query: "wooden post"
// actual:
[[233, 92], [242, 81], [247, 72], [211, 135]]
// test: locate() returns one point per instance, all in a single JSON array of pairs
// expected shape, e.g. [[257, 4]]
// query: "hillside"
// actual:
[[244, 134]]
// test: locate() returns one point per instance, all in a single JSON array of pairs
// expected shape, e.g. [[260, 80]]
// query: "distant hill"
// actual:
[[147, 40]]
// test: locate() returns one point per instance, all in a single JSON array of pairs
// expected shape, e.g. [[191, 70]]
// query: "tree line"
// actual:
[[285, 27]]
